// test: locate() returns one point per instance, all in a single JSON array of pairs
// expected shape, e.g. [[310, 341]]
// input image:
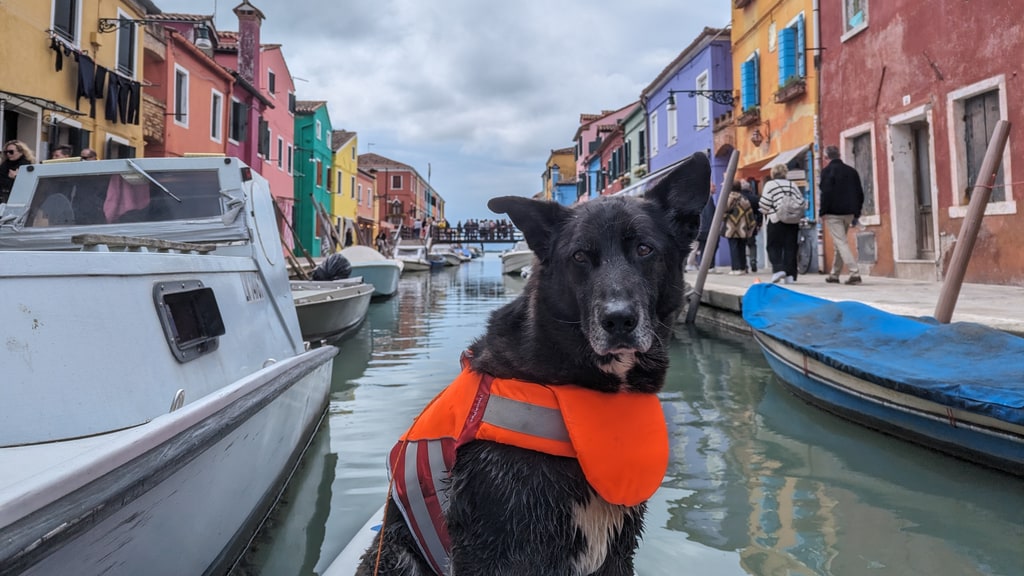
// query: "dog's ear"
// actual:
[[537, 219], [682, 195]]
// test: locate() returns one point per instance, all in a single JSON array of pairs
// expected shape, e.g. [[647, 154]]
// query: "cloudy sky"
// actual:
[[479, 91]]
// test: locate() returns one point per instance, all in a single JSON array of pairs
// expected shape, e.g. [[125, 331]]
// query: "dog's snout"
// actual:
[[618, 318]]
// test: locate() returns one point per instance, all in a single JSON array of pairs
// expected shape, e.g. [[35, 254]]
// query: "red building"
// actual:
[[401, 192], [614, 174], [911, 92]]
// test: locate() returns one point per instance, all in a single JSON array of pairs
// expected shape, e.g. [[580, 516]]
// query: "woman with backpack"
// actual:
[[783, 203]]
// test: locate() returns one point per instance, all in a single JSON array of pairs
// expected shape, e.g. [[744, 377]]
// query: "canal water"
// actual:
[[759, 482]]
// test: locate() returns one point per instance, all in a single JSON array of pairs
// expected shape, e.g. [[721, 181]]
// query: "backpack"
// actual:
[[791, 206]]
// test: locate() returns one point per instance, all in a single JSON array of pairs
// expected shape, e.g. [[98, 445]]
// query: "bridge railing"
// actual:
[[471, 235]]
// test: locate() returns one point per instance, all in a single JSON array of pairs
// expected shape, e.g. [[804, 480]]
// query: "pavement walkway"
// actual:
[[1000, 307]]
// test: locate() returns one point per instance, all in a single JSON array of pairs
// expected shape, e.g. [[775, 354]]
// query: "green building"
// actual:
[[312, 176]]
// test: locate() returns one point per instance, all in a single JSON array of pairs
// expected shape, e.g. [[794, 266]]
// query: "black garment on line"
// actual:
[[86, 81], [113, 96], [100, 83], [55, 46]]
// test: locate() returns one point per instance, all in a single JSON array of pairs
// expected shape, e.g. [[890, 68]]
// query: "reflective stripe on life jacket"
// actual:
[[620, 441]]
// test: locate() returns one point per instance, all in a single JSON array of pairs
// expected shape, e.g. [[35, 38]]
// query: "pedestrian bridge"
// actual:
[[502, 235]]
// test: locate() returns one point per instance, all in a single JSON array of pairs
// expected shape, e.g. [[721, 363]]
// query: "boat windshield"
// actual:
[[97, 199]]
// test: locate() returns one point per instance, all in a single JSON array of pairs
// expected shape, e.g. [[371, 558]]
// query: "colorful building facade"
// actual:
[[558, 182], [53, 51], [311, 176], [588, 138], [343, 184], [916, 126]]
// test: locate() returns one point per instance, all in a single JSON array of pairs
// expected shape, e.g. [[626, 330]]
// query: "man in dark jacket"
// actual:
[[842, 197]]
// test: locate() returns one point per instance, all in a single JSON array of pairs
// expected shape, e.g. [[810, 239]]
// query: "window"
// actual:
[[855, 16], [352, 182], [289, 158], [641, 140], [118, 148], [280, 152], [973, 112], [792, 51], [396, 181], [353, 151], [750, 83], [860, 152], [340, 180], [654, 133], [319, 172], [65, 19], [180, 96], [263, 144], [271, 82], [703, 104], [319, 130], [239, 121], [216, 115], [126, 46], [672, 126], [291, 102], [359, 194]]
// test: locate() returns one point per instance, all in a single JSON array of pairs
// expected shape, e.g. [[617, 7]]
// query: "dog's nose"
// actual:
[[618, 318]]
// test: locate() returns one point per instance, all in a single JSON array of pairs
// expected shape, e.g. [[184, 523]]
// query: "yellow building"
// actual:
[[774, 66], [55, 50], [559, 169], [344, 171]]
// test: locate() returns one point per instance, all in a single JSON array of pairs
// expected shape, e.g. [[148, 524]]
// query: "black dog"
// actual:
[[596, 313]]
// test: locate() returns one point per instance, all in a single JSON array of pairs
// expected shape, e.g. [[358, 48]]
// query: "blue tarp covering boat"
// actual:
[[965, 365], [871, 365]]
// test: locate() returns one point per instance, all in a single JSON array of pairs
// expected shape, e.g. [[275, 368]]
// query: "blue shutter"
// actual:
[[747, 84], [787, 54], [801, 48]]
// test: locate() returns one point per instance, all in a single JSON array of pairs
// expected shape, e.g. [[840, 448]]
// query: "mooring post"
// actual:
[[708, 257]]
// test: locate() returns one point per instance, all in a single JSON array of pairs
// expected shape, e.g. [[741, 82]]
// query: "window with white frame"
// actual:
[[859, 153], [703, 104], [289, 159], [216, 115], [750, 83], [341, 181], [280, 153], [319, 130], [352, 182], [66, 15], [126, 41], [359, 194], [117, 147], [396, 181], [973, 112], [180, 96], [271, 82], [672, 125], [855, 16], [654, 133]]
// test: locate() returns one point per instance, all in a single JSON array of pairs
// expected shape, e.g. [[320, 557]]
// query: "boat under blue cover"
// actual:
[[962, 365]]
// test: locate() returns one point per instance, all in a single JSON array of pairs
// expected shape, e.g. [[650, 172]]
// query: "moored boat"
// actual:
[[518, 257], [326, 309], [957, 388], [157, 391], [415, 258], [375, 268]]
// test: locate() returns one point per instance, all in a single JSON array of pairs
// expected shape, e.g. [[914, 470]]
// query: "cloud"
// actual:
[[483, 91]]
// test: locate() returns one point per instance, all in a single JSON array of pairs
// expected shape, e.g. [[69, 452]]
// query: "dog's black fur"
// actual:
[[597, 312]]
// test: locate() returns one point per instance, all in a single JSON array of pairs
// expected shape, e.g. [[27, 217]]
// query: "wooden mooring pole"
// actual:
[[972, 223], [708, 257]]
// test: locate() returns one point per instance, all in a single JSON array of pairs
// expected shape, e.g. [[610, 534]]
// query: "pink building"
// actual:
[[185, 99], [366, 197], [278, 87], [588, 139]]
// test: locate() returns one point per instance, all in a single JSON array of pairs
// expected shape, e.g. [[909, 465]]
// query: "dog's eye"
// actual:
[[579, 256], [643, 249]]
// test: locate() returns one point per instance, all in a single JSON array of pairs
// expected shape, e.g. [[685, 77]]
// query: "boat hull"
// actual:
[[382, 275], [182, 494], [973, 437], [514, 262], [327, 309]]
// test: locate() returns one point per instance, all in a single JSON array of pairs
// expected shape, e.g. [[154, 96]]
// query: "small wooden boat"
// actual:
[[957, 388], [327, 309], [375, 268]]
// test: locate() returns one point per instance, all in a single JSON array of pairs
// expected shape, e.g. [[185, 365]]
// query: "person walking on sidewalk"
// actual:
[[740, 223], [783, 238], [842, 197]]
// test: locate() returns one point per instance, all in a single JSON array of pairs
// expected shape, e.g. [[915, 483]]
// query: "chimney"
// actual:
[[249, 21]]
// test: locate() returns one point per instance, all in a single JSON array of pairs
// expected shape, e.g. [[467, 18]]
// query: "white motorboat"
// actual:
[[157, 392], [329, 308], [375, 268], [453, 255], [513, 261], [415, 258]]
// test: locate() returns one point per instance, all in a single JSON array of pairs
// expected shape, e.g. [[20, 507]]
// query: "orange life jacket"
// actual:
[[620, 441]]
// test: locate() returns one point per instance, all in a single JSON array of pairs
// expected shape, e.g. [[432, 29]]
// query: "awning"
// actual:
[[37, 101], [785, 157], [650, 181]]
